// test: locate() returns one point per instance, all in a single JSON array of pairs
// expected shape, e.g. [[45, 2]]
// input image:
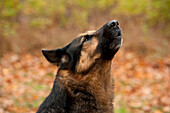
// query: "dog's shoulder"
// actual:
[[56, 100]]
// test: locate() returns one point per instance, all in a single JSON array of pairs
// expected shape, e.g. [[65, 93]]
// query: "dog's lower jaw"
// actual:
[[116, 45]]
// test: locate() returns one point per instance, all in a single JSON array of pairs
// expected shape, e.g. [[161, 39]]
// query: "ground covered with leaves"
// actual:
[[141, 85]]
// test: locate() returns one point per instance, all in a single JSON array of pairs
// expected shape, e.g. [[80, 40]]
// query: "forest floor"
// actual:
[[141, 84]]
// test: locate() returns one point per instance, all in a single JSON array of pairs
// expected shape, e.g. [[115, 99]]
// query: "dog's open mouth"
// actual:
[[119, 33]]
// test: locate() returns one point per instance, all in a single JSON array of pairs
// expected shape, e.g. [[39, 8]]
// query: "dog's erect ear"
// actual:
[[56, 57]]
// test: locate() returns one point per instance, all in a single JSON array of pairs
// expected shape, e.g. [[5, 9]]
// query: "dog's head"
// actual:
[[84, 51]]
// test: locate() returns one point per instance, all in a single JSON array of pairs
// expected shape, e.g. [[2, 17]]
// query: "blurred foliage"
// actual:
[[26, 23], [156, 12], [40, 13]]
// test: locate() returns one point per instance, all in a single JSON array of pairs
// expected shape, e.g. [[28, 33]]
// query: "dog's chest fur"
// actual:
[[73, 93], [91, 93]]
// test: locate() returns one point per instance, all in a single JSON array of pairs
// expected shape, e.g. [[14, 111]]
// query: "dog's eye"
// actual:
[[87, 38]]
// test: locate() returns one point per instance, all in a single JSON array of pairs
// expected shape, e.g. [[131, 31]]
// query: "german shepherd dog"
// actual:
[[84, 82]]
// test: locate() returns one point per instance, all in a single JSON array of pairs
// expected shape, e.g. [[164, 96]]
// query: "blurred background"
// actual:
[[141, 67]]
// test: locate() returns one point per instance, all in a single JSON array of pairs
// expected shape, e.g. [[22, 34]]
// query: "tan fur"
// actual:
[[86, 33], [88, 55], [97, 82]]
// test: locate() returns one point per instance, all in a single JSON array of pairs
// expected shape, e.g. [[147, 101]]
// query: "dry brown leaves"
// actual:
[[140, 85]]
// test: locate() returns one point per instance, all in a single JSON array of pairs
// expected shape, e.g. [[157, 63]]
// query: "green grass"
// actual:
[[120, 110]]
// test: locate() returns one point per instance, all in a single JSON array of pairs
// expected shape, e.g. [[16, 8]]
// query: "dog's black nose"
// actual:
[[113, 23]]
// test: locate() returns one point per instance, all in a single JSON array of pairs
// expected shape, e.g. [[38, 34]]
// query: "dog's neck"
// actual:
[[100, 73], [97, 82]]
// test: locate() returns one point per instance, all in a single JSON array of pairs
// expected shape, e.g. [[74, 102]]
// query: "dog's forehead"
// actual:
[[77, 42], [79, 39], [87, 33]]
